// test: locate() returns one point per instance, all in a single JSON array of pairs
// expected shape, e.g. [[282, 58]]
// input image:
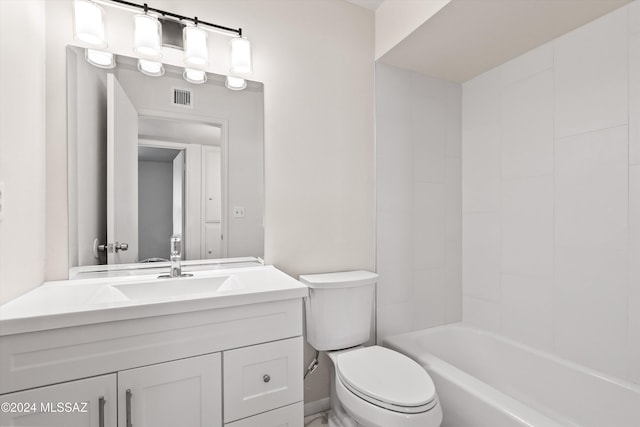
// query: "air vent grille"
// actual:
[[182, 98]]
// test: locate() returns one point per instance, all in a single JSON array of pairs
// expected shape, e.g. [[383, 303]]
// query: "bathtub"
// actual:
[[483, 379]]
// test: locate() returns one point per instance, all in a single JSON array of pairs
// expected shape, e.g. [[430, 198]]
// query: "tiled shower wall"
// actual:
[[551, 196], [418, 147]]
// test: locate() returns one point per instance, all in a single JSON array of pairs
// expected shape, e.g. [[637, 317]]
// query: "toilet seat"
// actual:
[[386, 379]]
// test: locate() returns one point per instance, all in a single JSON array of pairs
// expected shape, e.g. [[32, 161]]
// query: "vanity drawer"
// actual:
[[262, 377], [289, 416]]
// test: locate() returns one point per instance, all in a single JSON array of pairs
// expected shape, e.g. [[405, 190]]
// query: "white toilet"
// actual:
[[370, 386]]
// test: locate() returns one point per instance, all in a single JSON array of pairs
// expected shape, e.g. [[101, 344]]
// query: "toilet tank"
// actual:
[[338, 308]]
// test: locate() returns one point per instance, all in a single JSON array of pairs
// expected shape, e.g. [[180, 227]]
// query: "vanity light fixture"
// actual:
[[150, 68], [148, 41], [235, 83], [194, 76], [88, 23], [147, 36], [240, 56], [196, 50], [100, 58]]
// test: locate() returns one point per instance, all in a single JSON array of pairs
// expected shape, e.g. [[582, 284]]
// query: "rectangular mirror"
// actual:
[[155, 157]]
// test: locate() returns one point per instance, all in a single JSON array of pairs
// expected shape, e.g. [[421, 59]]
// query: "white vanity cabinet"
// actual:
[[90, 402], [177, 369], [185, 393]]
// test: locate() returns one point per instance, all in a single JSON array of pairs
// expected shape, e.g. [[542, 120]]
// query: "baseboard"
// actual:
[[317, 406]]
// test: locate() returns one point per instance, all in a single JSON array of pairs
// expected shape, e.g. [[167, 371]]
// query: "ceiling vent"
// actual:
[[182, 98]]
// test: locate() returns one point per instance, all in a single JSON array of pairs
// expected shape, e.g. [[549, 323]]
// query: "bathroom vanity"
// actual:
[[221, 348]]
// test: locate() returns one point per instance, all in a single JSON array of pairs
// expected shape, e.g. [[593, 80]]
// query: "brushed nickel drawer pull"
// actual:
[[101, 402], [129, 395]]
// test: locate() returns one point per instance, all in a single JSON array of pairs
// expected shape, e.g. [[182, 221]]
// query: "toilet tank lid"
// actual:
[[343, 279]]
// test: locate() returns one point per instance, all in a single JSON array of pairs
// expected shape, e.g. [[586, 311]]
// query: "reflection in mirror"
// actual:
[[160, 200], [154, 157]]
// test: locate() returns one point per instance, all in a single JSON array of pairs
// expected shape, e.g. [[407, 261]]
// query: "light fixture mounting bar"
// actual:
[[195, 20]]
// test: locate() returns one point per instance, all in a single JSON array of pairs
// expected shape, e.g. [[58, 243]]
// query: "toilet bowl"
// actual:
[[370, 386], [378, 387]]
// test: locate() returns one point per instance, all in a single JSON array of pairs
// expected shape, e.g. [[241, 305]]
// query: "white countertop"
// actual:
[[86, 301]]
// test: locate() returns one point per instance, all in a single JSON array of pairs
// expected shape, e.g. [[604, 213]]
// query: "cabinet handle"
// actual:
[[101, 403], [128, 409], [266, 378]]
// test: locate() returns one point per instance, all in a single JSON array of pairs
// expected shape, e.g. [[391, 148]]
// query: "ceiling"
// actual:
[[367, 4], [469, 37]]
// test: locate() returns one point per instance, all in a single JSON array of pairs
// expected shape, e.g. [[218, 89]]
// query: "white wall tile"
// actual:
[[482, 314], [634, 230], [481, 255], [591, 193], [394, 256], [634, 99], [394, 176], [481, 169], [527, 227], [394, 319], [634, 338], [418, 147], [428, 225], [394, 138], [527, 127], [591, 311], [453, 198], [453, 119], [453, 279], [565, 206], [393, 88], [428, 136], [481, 142], [527, 310], [424, 88], [591, 76], [429, 298], [527, 65], [481, 104]]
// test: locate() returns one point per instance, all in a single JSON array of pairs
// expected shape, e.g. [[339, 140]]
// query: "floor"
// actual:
[[316, 420]]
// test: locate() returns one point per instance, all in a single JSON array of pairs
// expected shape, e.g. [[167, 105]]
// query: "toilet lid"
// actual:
[[381, 375]]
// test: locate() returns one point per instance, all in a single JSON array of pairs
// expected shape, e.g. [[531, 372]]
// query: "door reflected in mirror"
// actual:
[[155, 157]]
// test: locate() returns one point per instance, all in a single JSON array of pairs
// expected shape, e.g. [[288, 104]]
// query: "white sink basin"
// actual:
[[63, 298], [178, 288], [86, 301]]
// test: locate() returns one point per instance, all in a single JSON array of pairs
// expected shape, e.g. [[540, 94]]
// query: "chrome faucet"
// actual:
[[175, 258], [175, 255]]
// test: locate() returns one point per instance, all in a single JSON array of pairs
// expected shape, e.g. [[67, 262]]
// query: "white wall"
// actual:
[[319, 179], [418, 121], [22, 146], [551, 196]]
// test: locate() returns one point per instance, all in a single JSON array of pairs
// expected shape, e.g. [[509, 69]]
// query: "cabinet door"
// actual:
[[83, 403], [185, 393]]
